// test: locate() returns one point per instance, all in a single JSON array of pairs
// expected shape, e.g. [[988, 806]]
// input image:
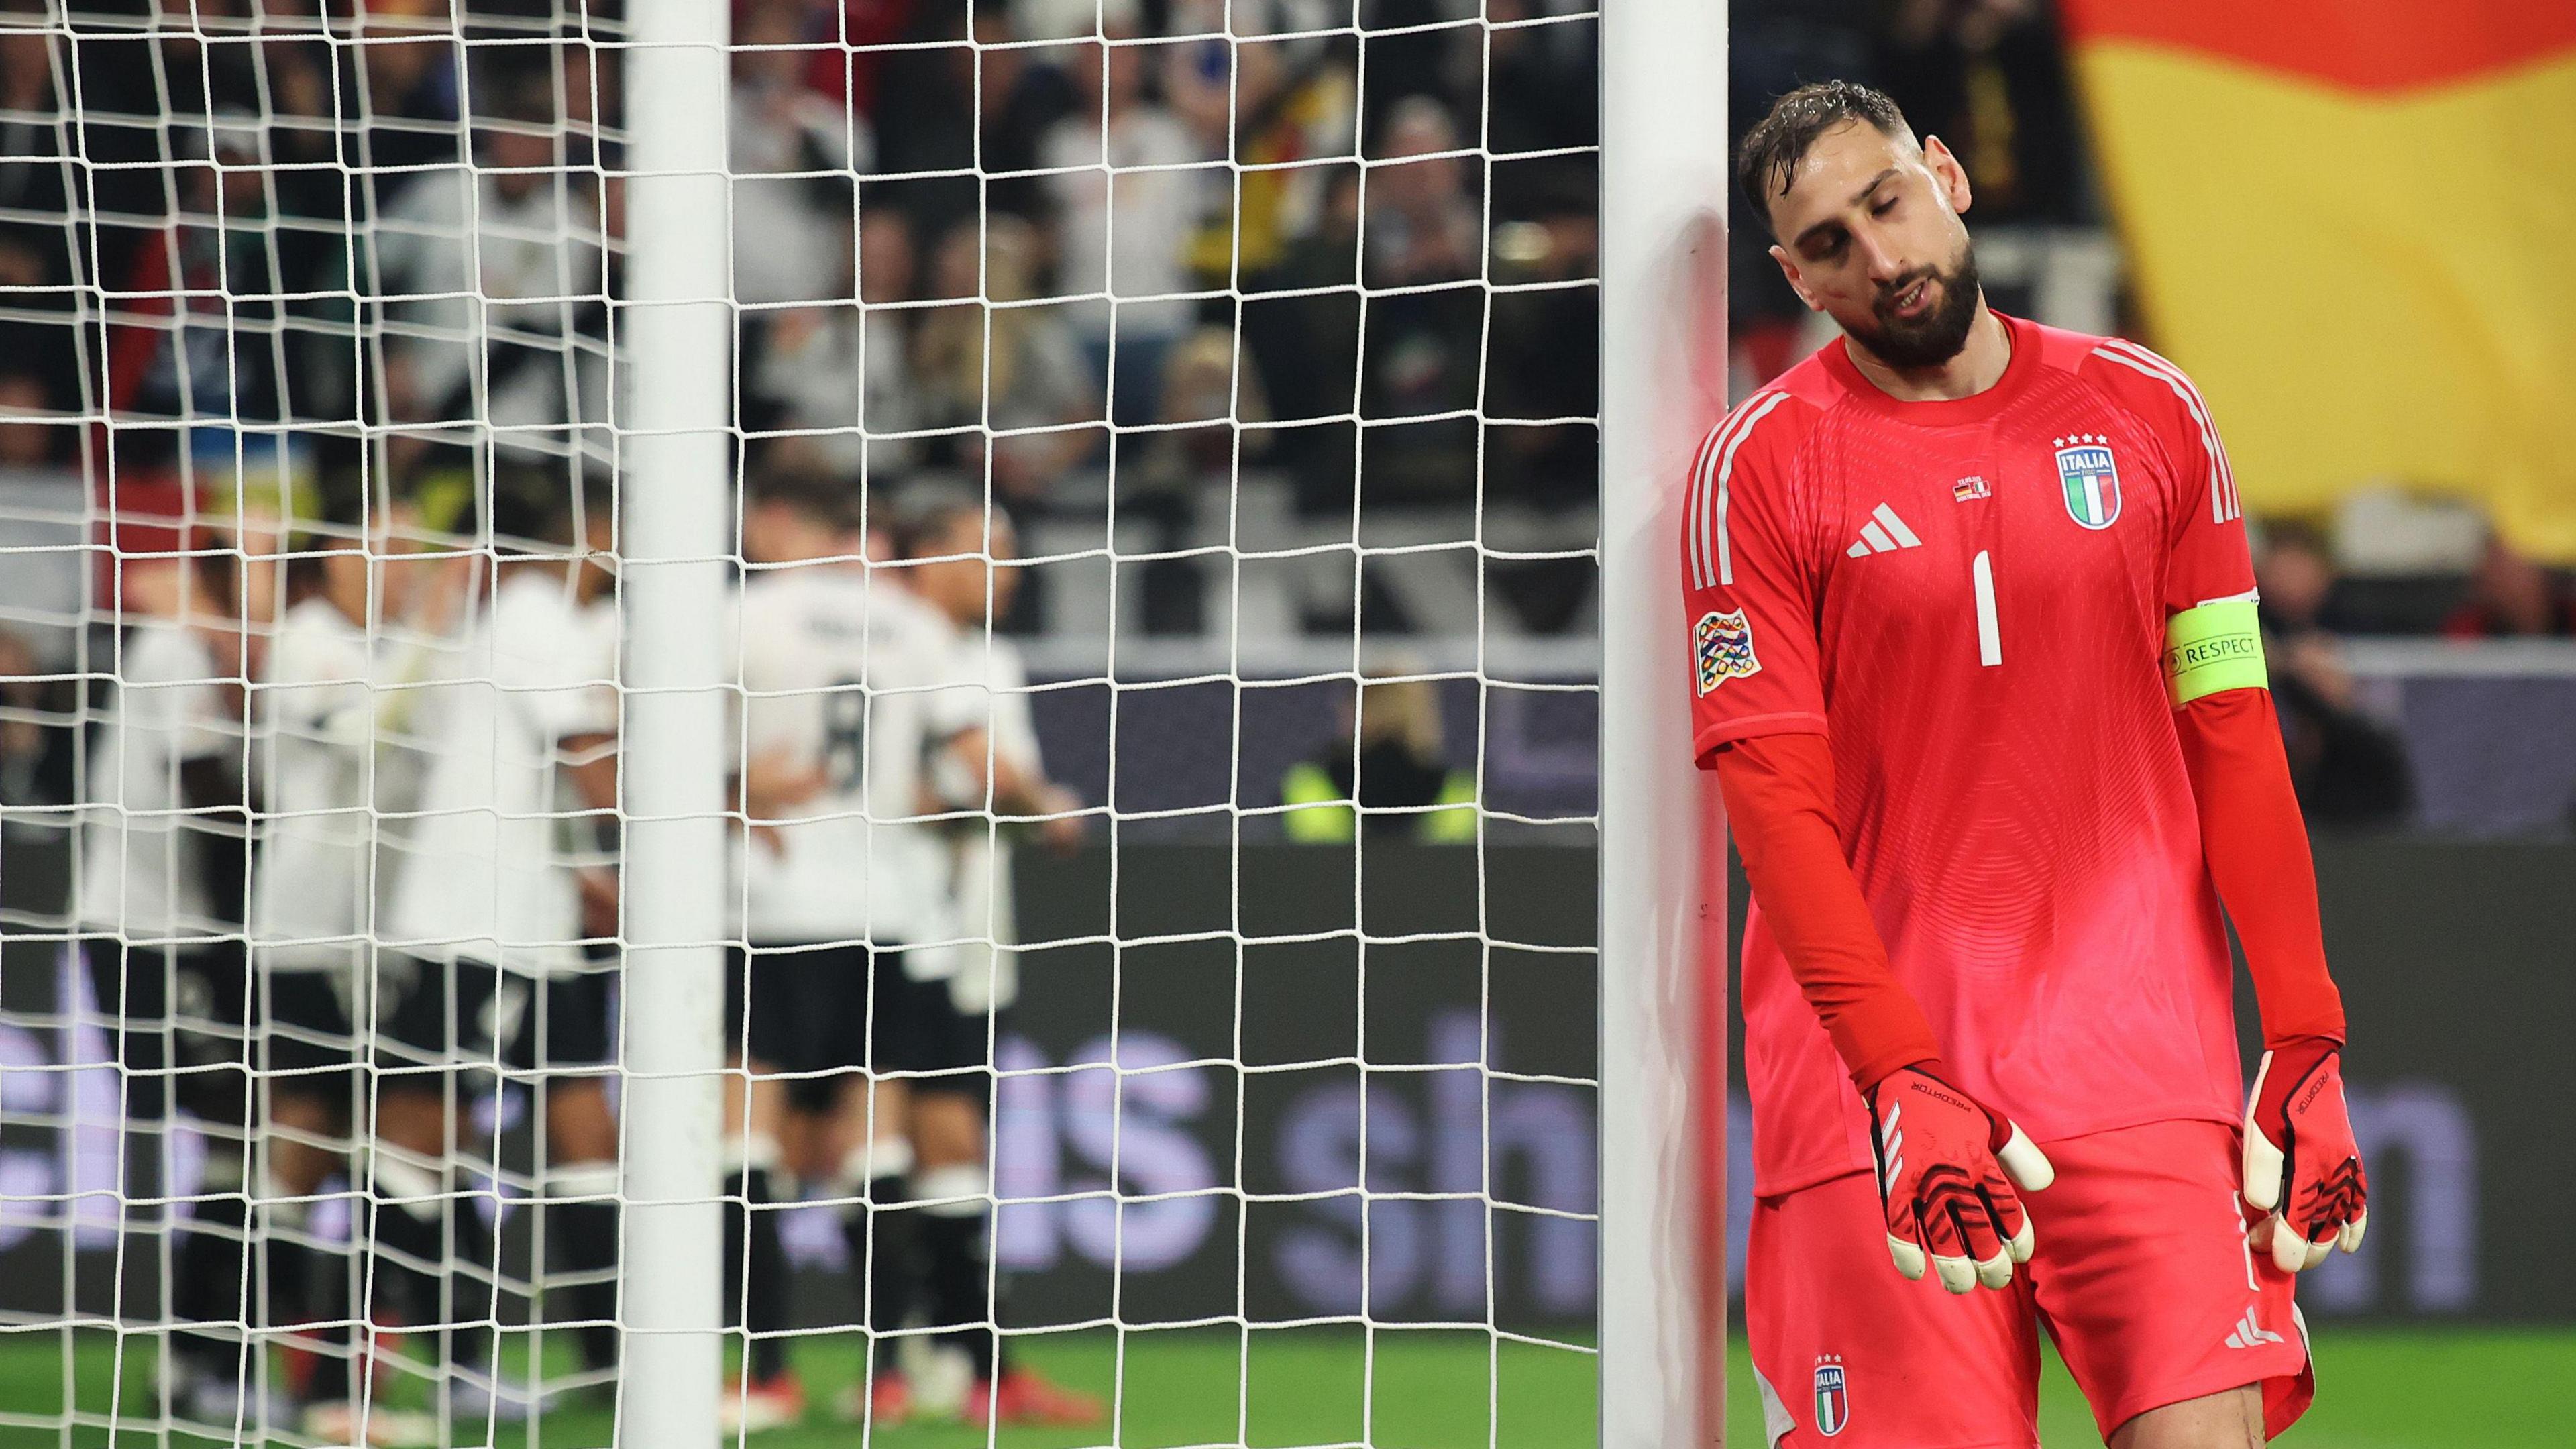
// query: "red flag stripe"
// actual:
[[2371, 45]]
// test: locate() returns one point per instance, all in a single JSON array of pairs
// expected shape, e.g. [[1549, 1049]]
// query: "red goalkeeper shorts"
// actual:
[[2142, 1278]]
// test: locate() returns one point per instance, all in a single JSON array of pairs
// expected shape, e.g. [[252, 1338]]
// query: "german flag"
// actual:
[[2354, 221]]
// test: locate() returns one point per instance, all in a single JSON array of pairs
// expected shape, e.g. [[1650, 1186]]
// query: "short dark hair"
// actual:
[[922, 528], [1767, 162], [812, 493]]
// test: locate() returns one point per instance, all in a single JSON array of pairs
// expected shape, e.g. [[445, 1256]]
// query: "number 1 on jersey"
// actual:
[[1990, 639]]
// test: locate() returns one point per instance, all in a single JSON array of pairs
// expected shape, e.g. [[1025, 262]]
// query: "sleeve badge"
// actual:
[[1722, 648]]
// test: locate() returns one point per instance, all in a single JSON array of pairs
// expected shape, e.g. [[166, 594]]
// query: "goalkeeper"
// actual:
[[1971, 640]]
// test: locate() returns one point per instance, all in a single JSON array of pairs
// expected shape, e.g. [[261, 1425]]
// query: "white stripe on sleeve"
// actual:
[[1716, 515], [2223, 504]]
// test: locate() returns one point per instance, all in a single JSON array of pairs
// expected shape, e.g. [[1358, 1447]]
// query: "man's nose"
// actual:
[[1884, 261]]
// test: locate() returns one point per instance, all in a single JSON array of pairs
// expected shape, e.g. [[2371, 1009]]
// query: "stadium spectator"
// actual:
[[2349, 770], [1074, 19], [1417, 49], [926, 113], [1209, 392], [1422, 221], [42, 234], [1391, 757], [31, 179], [1307, 345], [2512, 596], [37, 728], [1422, 231], [28, 437], [791, 227], [1140, 179], [226, 276], [497, 275], [843, 368], [2296, 570], [854, 33], [1546, 356], [1265, 107], [1023, 92], [1033, 386], [1544, 92]]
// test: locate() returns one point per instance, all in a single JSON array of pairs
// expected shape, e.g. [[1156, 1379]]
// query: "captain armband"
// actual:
[[2212, 648]]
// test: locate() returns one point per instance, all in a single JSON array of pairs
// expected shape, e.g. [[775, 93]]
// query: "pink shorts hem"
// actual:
[[2183, 1391]]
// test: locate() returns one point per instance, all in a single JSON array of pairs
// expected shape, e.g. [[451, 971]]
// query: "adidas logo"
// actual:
[[1884, 533], [2250, 1334]]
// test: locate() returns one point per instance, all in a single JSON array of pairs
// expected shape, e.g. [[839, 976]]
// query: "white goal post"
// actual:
[[1664, 155], [675, 536]]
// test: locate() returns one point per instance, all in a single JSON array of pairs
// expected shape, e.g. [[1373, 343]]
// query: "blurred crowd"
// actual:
[[1090, 255], [967, 239], [2350, 764]]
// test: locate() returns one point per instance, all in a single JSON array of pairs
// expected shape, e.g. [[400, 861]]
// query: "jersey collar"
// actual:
[[1939, 412]]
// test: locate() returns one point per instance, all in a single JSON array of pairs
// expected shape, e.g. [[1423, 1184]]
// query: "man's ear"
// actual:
[[1948, 176], [1797, 284]]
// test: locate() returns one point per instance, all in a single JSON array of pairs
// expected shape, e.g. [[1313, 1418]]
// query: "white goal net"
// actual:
[[1155, 798]]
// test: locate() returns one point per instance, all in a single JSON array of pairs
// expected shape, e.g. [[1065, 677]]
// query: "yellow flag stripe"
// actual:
[[2365, 288]]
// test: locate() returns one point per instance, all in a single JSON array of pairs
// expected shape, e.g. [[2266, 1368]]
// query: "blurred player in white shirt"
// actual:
[[312, 898], [158, 898], [960, 560], [483, 932], [846, 909]]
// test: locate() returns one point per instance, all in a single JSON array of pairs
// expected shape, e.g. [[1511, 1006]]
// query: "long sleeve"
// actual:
[[2257, 847], [1779, 794]]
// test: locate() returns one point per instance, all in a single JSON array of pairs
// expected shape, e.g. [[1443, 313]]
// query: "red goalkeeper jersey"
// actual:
[[1968, 598]]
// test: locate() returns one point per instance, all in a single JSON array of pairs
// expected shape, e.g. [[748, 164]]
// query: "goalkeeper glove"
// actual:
[[1942, 1166], [2302, 1167]]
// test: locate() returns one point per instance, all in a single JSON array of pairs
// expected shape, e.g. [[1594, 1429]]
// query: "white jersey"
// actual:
[[842, 673], [312, 897], [994, 693], [588, 842], [143, 871], [481, 873]]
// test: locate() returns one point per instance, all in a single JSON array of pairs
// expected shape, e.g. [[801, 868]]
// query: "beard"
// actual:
[[1935, 337]]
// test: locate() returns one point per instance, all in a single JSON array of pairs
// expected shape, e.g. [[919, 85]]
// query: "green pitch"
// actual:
[[2379, 1389]]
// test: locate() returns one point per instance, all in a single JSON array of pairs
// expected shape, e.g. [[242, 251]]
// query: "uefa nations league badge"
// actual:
[[2090, 478], [1722, 648]]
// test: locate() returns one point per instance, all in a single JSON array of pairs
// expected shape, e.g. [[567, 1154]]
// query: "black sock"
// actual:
[[584, 1235], [206, 1289], [407, 1246], [884, 1238], [962, 1292], [308, 1296], [472, 1267], [434, 1258], [762, 1294]]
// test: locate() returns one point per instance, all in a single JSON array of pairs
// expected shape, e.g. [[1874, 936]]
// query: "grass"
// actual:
[[2378, 1389]]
